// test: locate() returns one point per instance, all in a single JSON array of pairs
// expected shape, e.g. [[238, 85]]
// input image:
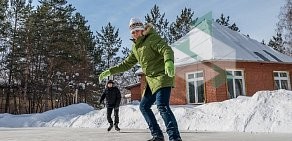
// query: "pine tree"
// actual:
[[44, 51], [5, 46], [285, 25], [4, 23], [181, 26], [84, 39], [159, 21], [263, 42], [234, 27], [225, 22], [22, 53], [108, 44], [16, 15], [40, 28], [277, 43], [4, 30], [53, 52]]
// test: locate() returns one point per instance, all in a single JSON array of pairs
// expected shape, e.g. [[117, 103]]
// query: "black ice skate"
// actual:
[[110, 127], [117, 127]]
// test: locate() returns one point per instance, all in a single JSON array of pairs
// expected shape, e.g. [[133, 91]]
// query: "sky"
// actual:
[[257, 18]]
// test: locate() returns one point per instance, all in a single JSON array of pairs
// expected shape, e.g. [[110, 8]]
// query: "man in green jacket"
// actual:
[[156, 60]]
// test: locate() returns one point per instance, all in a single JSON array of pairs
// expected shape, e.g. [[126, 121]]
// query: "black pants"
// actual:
[[116, 114]]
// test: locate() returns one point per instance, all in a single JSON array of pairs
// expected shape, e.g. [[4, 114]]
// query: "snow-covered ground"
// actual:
[[265, 111]]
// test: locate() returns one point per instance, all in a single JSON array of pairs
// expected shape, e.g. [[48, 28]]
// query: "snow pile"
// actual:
[[265, 111], [42, 119]]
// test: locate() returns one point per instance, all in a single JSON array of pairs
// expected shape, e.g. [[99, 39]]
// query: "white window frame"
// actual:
[[195, 85], [282, 78], [233, 81]]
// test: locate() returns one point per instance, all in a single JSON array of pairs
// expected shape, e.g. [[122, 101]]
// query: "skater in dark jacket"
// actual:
[[113, 98]]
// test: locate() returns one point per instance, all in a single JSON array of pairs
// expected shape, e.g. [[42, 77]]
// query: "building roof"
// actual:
[[210, 41]]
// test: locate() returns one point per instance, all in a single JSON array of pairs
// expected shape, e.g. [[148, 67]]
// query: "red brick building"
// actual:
[[214, 63], [135, 90]]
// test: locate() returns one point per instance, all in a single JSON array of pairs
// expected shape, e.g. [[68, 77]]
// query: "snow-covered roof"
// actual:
[[210, 41]]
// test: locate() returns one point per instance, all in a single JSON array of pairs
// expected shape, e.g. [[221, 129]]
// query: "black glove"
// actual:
[[101, 103]]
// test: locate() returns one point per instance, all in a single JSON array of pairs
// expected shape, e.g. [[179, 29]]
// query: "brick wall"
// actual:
[[258, 76], [136, 93], [178, 93], [261, 75]]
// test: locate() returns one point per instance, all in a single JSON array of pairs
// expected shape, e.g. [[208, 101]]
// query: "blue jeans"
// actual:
[[161, 97]]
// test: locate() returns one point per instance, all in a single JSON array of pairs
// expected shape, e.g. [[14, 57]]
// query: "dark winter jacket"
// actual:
[[112, 96]]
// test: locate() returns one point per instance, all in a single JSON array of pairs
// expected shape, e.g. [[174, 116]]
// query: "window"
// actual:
[[281, 80], [195, 87], [261, 56], [235, 83], [273, 56]]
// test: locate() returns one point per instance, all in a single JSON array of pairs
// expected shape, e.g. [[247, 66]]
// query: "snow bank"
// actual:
[[265, 111], [42, 119]]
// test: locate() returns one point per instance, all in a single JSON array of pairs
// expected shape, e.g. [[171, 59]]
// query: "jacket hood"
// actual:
[[148, 29]]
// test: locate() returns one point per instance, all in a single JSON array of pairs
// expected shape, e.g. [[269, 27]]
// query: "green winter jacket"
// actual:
[[151, 52]]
